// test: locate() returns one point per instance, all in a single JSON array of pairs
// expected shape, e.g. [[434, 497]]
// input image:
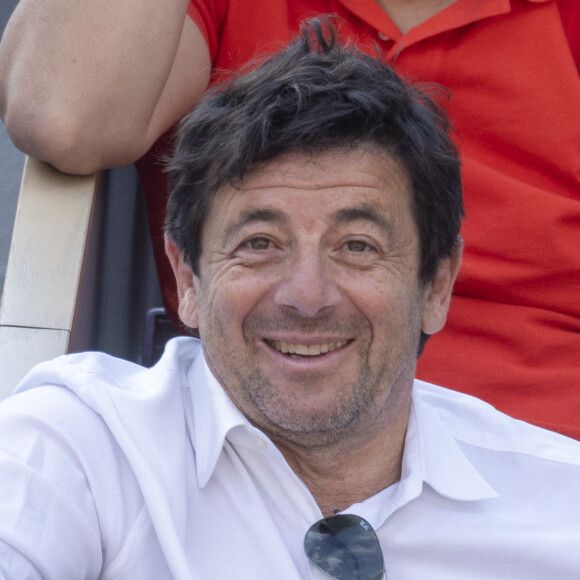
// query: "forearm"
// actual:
[[83, 83]]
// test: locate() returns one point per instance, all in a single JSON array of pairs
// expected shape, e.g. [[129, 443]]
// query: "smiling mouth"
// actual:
[[291, 348]]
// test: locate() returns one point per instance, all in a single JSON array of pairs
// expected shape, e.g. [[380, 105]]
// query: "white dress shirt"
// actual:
[[112, 471]]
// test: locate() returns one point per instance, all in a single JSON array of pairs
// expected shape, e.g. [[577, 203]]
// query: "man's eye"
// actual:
[[357, 246], [258, 243]]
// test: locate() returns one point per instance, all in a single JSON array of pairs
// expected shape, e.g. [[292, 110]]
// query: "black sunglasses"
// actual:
[[345, 547]]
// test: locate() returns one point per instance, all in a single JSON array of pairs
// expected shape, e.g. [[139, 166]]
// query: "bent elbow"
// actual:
[[71, 145]]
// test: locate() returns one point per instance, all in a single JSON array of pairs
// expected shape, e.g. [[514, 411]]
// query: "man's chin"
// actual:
[[310, 423]]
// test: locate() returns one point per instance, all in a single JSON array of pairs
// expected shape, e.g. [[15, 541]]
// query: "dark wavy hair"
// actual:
[[316, 95]]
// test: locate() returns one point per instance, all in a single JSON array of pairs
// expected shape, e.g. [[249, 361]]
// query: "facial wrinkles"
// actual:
[[300, 170], [327, 426], [343, 415], [353, 412], [325, 332], [321, 428], [365, 383], [287, 321], [255, 386]]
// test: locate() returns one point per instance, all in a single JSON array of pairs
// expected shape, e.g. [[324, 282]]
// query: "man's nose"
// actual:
[[309, 285]]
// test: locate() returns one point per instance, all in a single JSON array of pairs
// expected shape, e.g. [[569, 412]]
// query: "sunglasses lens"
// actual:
[[345, 547]]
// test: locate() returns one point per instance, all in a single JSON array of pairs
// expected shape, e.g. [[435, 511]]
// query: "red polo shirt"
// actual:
[[513, 332]]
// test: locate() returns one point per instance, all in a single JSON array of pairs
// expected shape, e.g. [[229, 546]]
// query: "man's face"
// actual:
[[308, 302]]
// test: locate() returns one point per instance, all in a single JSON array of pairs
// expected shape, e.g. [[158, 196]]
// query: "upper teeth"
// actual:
[[307, 350]]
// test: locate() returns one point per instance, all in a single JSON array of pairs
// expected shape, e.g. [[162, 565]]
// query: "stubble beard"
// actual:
[[349, 411], [345, 413]]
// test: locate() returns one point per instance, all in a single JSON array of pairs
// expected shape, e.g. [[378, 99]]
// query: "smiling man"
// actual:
[[310, 308], [313, 229]]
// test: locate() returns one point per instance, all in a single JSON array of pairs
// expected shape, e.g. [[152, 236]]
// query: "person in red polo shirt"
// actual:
[[118, 75]]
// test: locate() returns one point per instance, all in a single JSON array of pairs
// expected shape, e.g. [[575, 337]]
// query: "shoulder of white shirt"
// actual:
[[477, 423], [467, 419]]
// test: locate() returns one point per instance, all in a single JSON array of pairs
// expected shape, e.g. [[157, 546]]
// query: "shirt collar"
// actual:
[[456, 15], [214, 417], [431, 453], [444, 466]]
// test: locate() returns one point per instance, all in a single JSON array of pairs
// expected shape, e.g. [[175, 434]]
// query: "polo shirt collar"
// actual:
[[459, 14]]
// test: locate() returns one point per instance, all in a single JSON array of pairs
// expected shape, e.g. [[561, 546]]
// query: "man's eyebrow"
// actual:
[[364, 212], [256, 215]]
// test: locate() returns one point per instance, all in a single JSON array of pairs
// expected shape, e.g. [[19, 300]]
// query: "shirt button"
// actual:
[[383, 36], [261, 443]]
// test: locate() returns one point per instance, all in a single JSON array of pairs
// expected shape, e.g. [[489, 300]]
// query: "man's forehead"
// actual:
[[333, 187], [353, 168]]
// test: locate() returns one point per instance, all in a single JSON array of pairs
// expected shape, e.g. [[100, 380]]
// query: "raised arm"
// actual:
[[89, 84]]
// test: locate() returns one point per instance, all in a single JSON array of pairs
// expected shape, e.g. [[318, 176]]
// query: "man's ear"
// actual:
[[186, 290], [439, 292]]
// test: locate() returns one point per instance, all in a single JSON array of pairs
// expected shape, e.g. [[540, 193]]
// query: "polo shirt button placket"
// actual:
[[388, 45]]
